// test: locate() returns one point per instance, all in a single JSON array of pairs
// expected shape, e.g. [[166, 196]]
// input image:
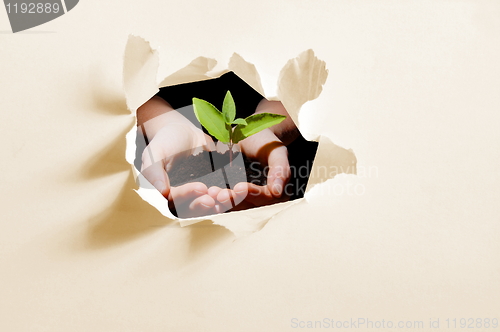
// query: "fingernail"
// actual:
[[240, 190], [160, 186], [278, 186], [224, 197]]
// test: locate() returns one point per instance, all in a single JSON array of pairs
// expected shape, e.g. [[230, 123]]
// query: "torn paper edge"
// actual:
[[300, 80]]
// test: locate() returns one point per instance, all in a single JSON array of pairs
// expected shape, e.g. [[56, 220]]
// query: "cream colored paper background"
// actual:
[[413, 89]]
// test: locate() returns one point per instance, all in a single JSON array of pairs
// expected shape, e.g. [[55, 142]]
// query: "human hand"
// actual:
[[173, 137], [170, 144], [269, 148], [266, 148]]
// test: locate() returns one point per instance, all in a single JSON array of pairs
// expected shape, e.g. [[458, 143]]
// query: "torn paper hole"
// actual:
[[300, 80]]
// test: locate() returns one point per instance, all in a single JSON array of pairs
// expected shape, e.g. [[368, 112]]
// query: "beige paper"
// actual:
[[140, 65], [413, 88], [196, 71]]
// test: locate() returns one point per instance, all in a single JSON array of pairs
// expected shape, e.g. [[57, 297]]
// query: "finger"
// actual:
[[256, 195], [240, 192], [153, 169], [187, 192], [214, 191], [279, 171], [233, 199], [202, 206], [225, 199], [218, 208], [229, 199], [156, 175]]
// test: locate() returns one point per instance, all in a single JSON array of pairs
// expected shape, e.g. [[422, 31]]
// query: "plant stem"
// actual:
[[231, 154]]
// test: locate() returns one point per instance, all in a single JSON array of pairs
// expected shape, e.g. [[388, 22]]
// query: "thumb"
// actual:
[[279, 170], [153, 169]]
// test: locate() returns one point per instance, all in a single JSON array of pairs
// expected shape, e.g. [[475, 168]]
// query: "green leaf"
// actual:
[[228, 108], [239, 121], [210, 118], [256, 123]]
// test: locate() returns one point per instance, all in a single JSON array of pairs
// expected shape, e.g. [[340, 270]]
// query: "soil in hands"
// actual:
[[205, 166]]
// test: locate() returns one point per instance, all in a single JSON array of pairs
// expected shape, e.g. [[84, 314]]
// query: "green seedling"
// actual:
[[220, 124]]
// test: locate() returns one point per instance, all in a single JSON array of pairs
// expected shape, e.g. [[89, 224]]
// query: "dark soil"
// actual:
[[213, 169]]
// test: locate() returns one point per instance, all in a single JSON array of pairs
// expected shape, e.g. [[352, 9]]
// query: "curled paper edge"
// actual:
[[300, 80], [140, 67]]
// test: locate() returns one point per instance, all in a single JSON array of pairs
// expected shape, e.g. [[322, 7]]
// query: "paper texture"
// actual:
[[140, 65], [300, 81], [413, 89]]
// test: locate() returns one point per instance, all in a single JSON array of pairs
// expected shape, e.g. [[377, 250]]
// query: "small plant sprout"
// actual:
[[220, 124]]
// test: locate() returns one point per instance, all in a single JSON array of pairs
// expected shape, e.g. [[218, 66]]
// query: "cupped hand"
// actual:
[[170, 144], [266, 148], [173, 137]]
